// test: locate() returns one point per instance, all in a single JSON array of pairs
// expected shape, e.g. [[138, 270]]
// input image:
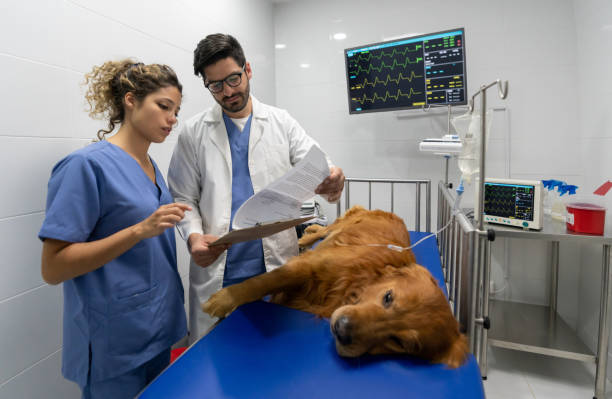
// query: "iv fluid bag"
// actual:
[[468, 129]]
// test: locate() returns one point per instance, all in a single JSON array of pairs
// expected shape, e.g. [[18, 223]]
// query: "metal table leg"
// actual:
[[604, 326], [554, 281], [484, 369]]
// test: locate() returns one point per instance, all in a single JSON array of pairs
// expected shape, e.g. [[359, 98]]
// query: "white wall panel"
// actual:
[[43, 380], [31, 329], [155, 18], [94, 38], [34, 88], [20, 261], [33, 29], [30, 161], [594, 49]]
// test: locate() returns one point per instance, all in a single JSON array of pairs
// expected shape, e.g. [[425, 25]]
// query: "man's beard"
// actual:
[[240, 105]]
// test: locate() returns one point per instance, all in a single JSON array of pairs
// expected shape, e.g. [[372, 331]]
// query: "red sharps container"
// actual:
[[584, 217]]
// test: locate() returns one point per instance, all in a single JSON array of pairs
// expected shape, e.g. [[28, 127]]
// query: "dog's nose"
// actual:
[[342, 327]]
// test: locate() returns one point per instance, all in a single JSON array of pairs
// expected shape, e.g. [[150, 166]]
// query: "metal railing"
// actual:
[[458, 252], [418, 216]]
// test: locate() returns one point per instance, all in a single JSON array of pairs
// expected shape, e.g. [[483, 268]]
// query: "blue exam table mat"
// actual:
[[428, 256], [264, 350]]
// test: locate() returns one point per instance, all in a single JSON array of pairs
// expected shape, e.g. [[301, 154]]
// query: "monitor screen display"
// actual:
[[413, 72], [513, 201]]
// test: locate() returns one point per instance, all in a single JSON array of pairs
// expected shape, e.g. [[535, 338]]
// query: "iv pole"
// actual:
[[483, 271], [502, 89]]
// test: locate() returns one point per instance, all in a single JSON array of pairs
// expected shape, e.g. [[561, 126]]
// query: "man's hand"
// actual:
[[332, 186], [203, 254]]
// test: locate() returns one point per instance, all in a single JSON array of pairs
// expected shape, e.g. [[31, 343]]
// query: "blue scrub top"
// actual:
[[244, 259], [129, 310]]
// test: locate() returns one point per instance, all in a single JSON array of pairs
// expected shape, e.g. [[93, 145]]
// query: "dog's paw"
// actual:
[[220, 304], [313, 228]]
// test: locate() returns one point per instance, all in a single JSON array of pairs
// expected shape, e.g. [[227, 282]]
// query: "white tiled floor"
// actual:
[[522, 375]]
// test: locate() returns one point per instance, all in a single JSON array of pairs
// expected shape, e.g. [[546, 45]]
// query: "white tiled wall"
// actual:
[[45, 48], [557, 57], [594, 54]]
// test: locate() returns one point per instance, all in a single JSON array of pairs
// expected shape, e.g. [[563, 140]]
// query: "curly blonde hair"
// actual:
[[108, 84]]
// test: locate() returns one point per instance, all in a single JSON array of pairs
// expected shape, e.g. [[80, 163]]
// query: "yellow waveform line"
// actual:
[[383, 65], [386, 97], [385, 82], [368, 56]]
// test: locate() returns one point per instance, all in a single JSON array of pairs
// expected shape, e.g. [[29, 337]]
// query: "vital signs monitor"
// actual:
[[512, 203], [412, 72]]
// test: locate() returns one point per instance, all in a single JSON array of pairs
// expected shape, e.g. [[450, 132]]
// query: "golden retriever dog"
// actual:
[[378, 299]]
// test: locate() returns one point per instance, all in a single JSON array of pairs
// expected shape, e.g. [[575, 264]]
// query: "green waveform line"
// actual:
[[385, 82], [386, 97], [383, 65], [368, 56]]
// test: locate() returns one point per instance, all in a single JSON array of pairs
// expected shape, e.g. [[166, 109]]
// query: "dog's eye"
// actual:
[[396, 341], [388, 299]]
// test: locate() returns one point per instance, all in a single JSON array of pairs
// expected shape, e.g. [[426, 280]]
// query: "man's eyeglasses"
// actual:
[[232, 80]]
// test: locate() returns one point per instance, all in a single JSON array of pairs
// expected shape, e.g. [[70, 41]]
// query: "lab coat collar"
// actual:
[[260, 117], [219, 133], [259, 111]]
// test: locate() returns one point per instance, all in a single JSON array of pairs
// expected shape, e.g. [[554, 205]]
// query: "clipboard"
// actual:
[[259, 231]]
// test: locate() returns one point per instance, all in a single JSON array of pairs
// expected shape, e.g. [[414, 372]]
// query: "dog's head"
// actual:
[[403, 312]]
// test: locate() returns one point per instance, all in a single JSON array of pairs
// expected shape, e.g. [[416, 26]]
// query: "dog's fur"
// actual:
[[379, 300]]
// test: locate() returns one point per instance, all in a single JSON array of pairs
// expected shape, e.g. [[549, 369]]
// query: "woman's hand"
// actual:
[[202, 253], [164, 217]]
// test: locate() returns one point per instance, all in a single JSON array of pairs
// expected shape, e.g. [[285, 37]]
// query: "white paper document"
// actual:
[[278, 206], [282, 200]]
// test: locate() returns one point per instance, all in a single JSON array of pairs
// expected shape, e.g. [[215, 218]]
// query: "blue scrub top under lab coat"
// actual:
[[129, 310], [244, 259]]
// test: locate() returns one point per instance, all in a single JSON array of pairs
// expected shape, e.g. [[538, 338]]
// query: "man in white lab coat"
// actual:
[[222, 157]]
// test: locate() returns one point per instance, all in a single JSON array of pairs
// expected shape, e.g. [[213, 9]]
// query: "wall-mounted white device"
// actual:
[[512, 202], [448, 144]]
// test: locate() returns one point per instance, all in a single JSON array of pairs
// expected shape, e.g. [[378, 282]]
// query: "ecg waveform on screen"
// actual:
[[386, 81], [379, 68], [367, 56], [386, 97], [407, 73], [514, 202]]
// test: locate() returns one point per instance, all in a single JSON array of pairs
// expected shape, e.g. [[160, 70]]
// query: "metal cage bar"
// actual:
[[418, 183], [457, 245]]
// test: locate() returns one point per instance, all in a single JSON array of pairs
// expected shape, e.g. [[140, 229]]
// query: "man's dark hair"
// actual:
[[216, 47]]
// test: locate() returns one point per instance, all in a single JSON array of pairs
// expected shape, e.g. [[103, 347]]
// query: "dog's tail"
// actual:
[[456, 354]]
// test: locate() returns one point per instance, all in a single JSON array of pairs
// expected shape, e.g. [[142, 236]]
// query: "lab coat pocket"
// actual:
[[132, 324]]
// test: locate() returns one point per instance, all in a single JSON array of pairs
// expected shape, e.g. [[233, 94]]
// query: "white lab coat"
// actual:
[[200, 175]]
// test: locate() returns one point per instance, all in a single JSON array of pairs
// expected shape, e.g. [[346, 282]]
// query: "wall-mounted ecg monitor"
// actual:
[[513, 202], [413, 72]]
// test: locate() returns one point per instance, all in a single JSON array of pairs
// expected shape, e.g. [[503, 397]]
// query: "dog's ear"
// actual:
[[457, 353], [409, 341], [390, 270], [396, 271], [354, 210]]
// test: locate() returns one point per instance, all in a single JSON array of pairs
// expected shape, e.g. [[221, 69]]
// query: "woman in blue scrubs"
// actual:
[[108, 236]]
